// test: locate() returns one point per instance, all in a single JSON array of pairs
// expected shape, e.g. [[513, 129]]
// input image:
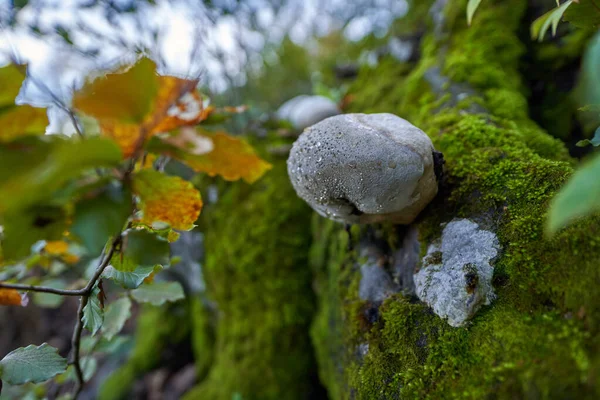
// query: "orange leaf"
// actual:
[[171, 94], [168, 199], [232, 158], [188, 111], [10, 297], [127, 136]]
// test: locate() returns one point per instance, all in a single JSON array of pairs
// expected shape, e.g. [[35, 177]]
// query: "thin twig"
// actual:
[[75, 123], [87, 291], [75, 343], [43, 289]]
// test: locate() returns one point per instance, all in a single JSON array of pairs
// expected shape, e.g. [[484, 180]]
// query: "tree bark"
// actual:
[[375, 339]]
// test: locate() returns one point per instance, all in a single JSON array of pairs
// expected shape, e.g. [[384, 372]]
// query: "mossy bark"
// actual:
[[257, 240], [541, 338]]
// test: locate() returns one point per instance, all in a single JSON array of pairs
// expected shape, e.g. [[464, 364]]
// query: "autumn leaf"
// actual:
[[134, 105], [17, 120], [124, 96], [215, 154], [56, 247], [168, 199], [60, 248], [10, 297], [231, 158], [177, 104]]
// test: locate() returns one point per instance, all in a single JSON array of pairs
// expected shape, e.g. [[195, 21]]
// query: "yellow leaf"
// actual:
[[10, 297], [56, 247], [17, 120], [232, 158], [60, 248], [189, 140], [168, 199]]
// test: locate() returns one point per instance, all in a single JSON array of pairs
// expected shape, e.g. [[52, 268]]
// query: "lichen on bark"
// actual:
[[539, 339]]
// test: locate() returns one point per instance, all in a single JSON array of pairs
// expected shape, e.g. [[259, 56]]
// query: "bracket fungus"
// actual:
[[364, 168]]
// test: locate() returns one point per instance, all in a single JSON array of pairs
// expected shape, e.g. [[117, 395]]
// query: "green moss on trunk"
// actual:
[[258, 239], [540, 338]]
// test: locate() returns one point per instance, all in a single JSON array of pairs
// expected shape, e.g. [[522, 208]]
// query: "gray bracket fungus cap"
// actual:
[[364, 168]]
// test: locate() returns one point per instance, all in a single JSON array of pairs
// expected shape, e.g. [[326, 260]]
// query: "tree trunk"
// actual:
[[375, 338], [257, 243]]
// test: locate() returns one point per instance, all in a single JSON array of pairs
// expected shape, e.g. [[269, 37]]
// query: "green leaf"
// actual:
[[33, 168], [115, 316], [595, 141], [158, 293], [587, 91], [125, 97], [93, 314], [584, 14], [31, 364], [472, 6], [578, 198], [104, 346], [89, 366], [99, 218], [25, 227], [540, 26], [128, 280], [141, 249]]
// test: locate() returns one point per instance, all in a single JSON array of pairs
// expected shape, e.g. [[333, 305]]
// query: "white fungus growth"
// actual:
[[303, 111], [456, 279], [364, 168]]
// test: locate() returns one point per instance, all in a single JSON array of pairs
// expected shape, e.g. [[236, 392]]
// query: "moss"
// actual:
[[202, 335], [257, 277], [540, 339], [157, 328], [329, 254]]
